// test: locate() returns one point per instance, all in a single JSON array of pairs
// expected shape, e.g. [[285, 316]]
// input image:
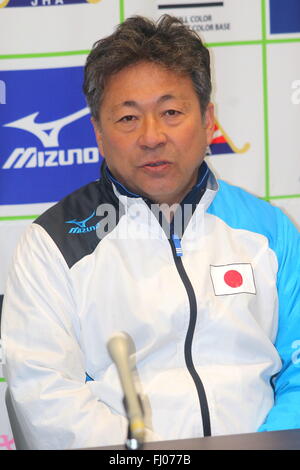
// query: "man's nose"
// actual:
[[152, 133]]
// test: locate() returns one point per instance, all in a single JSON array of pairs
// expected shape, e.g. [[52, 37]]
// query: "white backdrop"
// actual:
[[256, 76]]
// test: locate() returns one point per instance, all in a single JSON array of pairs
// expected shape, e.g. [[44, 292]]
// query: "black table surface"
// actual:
[[274, 440]]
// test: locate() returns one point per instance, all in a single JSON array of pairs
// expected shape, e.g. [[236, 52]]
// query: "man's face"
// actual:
[[151, 132]]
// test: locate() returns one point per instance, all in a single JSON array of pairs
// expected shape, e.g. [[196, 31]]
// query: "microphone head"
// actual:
[[120, 344]]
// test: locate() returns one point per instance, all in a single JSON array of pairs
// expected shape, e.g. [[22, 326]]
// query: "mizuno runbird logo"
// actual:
[[46, 132], [81, 225]]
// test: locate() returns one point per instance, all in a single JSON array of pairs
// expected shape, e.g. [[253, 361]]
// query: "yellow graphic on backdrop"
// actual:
[[3, 4], [243, 149]]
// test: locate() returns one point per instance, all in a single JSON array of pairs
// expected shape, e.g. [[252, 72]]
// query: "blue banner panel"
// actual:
[[42, 3], [48, 148], [285, 16]]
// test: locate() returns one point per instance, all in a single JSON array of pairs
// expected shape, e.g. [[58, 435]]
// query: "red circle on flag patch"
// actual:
[[233, 278]]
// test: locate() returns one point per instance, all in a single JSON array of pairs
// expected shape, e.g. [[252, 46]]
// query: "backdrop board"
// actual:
[[47, 147], [256, 76]]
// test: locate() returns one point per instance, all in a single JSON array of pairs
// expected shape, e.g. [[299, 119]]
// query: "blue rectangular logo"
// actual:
[[48, 148], [284, 16]]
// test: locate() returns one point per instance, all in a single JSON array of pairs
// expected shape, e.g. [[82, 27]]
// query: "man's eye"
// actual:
[[128, 118], [172, 112]]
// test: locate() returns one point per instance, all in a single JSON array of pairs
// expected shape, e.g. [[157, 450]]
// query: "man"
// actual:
[[210, 298]]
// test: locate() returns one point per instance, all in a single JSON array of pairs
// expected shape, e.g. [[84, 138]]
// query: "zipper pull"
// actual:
[[177, 245]]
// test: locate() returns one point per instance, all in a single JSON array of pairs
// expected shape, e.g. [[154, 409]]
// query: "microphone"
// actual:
[[120, 346]]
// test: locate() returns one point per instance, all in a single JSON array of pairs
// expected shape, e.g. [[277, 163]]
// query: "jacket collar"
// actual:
[[200, 197], [193, 197]]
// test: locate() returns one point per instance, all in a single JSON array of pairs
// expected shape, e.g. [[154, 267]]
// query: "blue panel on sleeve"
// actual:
[[241, 210]]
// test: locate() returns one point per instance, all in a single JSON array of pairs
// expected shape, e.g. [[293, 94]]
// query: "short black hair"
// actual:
[[167, 42]]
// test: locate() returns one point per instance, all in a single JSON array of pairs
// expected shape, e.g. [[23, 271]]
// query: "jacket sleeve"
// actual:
[[44, 363], [285, 413]]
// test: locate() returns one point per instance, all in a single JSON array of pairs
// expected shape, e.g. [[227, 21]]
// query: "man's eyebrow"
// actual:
[[164, 98], [135, 104]]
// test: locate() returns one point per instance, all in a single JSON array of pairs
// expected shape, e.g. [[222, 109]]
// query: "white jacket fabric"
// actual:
[[214, 315]]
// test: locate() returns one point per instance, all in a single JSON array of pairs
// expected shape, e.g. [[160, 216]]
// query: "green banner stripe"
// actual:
[[286, 196], [234, 43], [122, 11], [38, 55], [265, 98], [43, 54], [276, 41], [258, 42], [19, 217], [2, 379]]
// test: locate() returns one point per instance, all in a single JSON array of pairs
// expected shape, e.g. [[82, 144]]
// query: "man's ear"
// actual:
[[209, 123], [98, 135]]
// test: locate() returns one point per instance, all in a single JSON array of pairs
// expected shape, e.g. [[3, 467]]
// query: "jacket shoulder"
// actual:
[[241, 210], [72, 222]]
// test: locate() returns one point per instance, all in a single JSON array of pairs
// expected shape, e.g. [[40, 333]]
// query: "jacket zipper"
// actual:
[[175, 243]]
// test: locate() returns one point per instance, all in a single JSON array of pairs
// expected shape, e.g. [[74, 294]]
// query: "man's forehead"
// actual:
[[146, 83]]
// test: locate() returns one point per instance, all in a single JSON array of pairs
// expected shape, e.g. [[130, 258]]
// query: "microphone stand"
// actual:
[[120, 346], [133, 441]]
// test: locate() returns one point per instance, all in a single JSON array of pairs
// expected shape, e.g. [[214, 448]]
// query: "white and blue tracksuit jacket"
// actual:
[[214, 315]]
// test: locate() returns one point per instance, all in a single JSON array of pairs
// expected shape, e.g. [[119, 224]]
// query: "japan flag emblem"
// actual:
[[231, 279]]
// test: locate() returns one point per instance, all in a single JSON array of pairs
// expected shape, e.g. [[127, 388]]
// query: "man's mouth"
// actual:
[[154, 164]]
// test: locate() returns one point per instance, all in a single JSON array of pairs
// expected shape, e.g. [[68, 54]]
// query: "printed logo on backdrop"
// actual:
[[295, 97], [42, 3], [7, 442], [47, 141], [2, 92], [203, 17], [1, 302], [284, 17], [223, 144]]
